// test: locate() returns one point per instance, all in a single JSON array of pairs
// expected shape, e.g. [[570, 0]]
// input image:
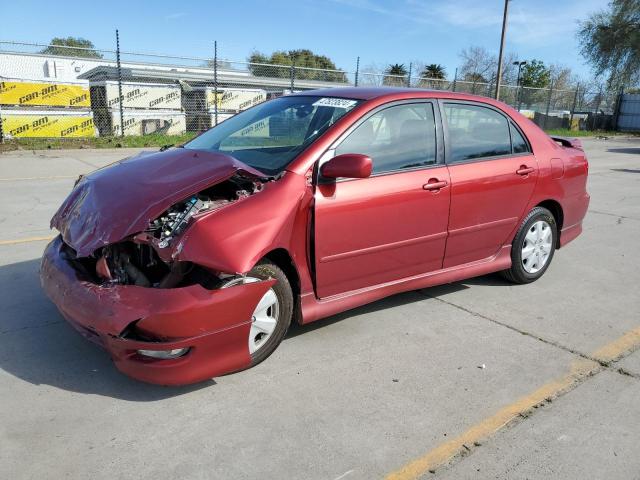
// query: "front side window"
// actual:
[[476, 132], [396, 138], [269, 136]]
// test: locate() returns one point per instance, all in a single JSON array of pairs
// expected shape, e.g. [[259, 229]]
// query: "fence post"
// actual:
[[573, 108], [215, 81], [1, 131], [455, 79], [357, 70], [546, 113], [293, 75], [409, 75], [120, 97]]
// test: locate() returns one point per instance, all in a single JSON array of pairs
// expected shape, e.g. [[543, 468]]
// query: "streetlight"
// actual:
[[504, 31], [518, 88]]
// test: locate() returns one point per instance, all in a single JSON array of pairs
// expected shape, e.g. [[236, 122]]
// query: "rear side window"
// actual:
[[476, 132], [395, 138], [517, 140]]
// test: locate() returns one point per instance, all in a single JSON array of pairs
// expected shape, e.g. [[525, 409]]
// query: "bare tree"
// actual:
[[478, 63], [564, 84], [371, 76]]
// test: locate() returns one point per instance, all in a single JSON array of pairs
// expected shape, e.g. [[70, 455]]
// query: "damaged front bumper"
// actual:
[[213, 325]]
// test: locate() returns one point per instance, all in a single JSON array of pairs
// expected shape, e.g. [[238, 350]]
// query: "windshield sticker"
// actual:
[[335, 103]]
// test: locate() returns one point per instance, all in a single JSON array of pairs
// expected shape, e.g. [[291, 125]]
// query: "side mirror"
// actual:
[[347, 165]]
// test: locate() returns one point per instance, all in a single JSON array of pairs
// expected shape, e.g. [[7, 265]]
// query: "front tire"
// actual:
[[272, 316], [533, 247]]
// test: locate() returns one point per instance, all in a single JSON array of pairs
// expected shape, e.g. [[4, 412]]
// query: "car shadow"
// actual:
[[626, 170], [38, 346], [399, 300], [630, 150]]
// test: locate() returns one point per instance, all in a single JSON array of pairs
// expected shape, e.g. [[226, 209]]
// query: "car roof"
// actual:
[[362, 93], [370, 93], [384, 94]]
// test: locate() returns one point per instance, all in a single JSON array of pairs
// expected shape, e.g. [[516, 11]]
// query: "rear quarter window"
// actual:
[[520, 145]]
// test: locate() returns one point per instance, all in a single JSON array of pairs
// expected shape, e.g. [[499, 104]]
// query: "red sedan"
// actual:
[[192, 262]]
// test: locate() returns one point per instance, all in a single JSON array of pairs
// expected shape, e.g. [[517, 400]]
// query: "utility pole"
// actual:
[[504, 31]]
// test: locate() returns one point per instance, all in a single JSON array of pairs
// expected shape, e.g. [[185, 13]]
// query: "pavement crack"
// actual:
[[627, 373], [553, 343], [614, 215], [608, 364], [29, 327]]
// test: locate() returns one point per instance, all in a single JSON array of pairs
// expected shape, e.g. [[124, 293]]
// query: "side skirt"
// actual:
[[315, 309]]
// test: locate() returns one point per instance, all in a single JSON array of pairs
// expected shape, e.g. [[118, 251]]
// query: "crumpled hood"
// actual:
[[121, 199]]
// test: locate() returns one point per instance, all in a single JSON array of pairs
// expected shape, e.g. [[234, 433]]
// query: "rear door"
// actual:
[[394, 224], [493, 175]]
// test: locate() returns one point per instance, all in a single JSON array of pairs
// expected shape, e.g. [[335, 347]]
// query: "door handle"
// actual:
[[434, 184], [524, 170]]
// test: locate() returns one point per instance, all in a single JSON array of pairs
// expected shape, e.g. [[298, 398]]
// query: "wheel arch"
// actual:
[[558, 213], [282, 258]]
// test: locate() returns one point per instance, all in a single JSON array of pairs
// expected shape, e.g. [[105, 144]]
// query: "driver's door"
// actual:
[[392, 225]]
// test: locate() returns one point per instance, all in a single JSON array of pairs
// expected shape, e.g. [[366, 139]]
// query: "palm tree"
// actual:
[[395, 74], [434, 70], [431, 76]]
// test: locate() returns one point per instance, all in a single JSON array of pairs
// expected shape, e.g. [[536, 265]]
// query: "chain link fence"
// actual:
[[52, 91]]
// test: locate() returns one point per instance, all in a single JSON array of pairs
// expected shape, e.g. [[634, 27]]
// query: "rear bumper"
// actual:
[[578, 207], [213, 324]]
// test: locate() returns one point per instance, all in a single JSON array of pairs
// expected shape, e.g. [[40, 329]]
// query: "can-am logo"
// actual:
[[78, 99], [74, 128], [37, 94]]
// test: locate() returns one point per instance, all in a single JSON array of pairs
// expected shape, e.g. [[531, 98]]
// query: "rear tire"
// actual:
[[533, 247]]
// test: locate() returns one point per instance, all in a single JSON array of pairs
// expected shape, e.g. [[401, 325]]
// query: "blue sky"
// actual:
[[379, 31]]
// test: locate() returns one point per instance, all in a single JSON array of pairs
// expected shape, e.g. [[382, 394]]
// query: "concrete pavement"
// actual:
[[356, 396]]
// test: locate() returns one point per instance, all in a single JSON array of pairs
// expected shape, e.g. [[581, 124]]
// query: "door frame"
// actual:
[[475, 103], [329, 153], [511, 123]]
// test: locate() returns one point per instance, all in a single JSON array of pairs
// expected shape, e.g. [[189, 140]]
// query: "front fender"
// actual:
[[233, 239]]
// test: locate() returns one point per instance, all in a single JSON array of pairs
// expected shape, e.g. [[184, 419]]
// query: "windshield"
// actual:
[[269, 136]]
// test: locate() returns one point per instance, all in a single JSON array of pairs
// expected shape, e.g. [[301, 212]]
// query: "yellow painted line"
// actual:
[[26, 240], [52, 177], [613, 351], [579, 370]]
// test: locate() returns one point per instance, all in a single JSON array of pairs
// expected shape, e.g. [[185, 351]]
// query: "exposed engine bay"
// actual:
[[173, 222], [142, 260]]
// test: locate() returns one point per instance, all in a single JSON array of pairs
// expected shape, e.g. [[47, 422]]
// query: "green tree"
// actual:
[[610, 41], [61, 46], [276, 65], [535, 74], [434, 70], [535, 78], [395, 75]]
